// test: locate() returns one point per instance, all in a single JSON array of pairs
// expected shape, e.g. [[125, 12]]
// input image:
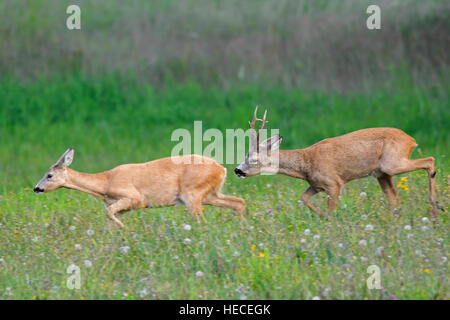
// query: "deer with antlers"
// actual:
[[190, 179], [329, 164]]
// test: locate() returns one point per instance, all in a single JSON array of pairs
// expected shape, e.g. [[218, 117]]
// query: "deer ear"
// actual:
[[273, 143], [66, 159]]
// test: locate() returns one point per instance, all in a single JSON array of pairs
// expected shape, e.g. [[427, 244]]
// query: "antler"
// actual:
[[255, 136]]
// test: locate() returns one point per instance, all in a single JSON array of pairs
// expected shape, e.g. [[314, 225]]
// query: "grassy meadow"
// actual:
[[281, 251], [117, 89]]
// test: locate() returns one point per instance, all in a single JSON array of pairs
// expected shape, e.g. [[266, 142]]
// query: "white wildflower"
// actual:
[[78, 246], [124, 249], [187, 227], [187, 241], [363, 242], [199, 274], [369, 227], [316, 237], [407, 227], [307, 232], [425, 220], [87, 263], [326, 291], [71, 228], [90, 232], [143, 293], [363, 194], [315, 298]]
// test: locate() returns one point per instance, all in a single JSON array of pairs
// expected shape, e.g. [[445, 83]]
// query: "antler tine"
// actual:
[[263, 120], [252, 124], [255, 134]]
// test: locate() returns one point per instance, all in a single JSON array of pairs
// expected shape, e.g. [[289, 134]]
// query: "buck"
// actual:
[[331, 163], [191, 179]]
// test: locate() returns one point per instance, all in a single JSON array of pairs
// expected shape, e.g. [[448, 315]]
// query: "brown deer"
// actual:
[[191, 179], [331, 163]]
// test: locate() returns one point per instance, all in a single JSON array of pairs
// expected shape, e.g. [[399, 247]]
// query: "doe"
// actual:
[[191, 179]]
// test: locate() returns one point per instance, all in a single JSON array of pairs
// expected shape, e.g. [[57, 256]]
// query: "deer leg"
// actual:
[[408, 165], [221, 200], [333, 193], [305, 198], [118, 206], [193, 202], [388, 188]]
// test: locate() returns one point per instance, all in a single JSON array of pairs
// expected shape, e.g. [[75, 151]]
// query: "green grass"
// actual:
[[113, 120]]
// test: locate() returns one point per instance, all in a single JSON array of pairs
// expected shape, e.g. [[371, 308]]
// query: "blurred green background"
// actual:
[[118, 87]]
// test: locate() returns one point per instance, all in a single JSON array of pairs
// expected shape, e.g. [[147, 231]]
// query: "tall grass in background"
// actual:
[[296, 43]]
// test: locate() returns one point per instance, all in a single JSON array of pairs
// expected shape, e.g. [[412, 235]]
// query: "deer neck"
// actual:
[[94, 184], [291, 163]]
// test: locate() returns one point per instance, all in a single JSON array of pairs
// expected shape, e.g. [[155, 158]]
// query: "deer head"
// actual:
[[56, 176], [262, 157]]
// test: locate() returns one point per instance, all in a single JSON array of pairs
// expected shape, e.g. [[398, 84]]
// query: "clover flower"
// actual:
[[199, 274], [124, 249], [87, 263]]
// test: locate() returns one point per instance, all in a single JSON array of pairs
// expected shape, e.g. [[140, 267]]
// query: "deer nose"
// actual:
[[38, 190], [239, 172]]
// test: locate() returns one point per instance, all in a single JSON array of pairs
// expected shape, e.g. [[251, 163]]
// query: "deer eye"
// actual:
[[49, 176]]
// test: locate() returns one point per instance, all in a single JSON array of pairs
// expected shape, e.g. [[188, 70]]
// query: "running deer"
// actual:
[[331, 163], [191, 179]]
